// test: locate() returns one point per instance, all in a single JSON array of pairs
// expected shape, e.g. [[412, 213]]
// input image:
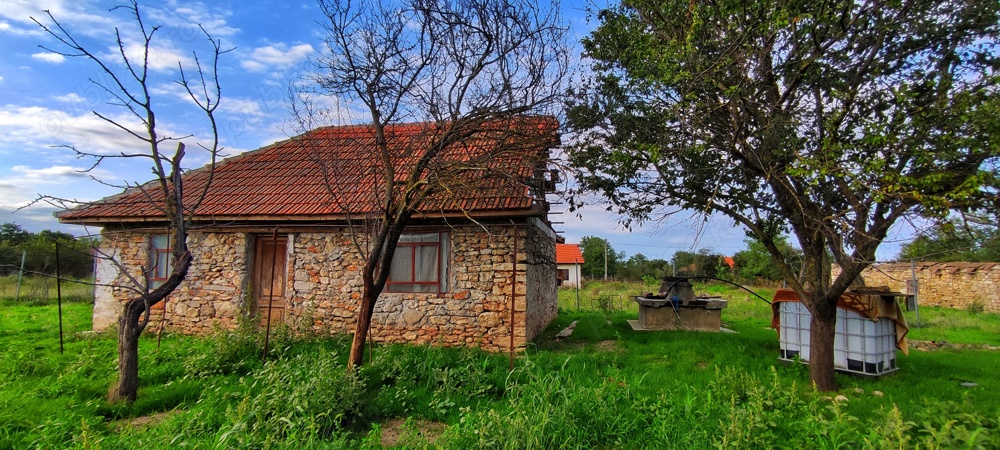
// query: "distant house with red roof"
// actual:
[[569, 259], [452, 279]]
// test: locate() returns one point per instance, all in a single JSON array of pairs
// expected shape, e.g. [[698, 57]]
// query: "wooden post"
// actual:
[[270, 293], [17, 292]]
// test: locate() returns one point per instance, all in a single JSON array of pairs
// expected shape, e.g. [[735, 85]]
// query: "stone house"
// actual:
[[569, 260], [278, 230]]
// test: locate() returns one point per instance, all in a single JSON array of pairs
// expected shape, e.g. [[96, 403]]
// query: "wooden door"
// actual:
[[269, 277]]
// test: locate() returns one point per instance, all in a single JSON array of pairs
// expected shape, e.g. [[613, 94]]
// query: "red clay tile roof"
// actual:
[[285, 180], [568, 254]]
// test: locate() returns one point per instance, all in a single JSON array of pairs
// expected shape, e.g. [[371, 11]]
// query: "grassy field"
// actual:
[[606, 386]]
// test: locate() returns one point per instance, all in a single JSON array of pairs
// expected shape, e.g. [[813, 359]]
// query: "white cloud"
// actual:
[[162, 58], [278, 56], [50, 173], [71, 13], [49, 57], [188, 15], [72, 97]]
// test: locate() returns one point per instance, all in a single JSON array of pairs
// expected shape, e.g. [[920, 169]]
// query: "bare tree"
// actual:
[[127, 79], [463, 69]]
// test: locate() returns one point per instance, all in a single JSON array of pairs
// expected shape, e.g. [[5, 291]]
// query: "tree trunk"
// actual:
[[822, 329], [356, 358], [127, 386]]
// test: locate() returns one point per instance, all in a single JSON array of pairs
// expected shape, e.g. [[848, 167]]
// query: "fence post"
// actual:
[[59, 298], [17, 291], [916, 290]]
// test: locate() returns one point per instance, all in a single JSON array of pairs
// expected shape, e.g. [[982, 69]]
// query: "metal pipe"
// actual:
[[59, 298], [513, 297], [916, 290]]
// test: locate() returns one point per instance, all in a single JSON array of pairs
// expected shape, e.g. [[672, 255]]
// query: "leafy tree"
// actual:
[[756, 263], [702, 263], [463, 67], [594, 249], [132, 85], [638, 266], [75, 258], [12, 234], [956, 240], [829, 120]]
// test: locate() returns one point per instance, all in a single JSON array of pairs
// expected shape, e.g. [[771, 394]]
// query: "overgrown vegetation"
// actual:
[[37, 252], [606, 386]]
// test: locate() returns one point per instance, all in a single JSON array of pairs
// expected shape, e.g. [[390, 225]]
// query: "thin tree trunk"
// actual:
[[362, 327], [127, 386], [822, 329]]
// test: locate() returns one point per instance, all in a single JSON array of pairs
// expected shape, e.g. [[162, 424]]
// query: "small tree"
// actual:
[[127, 79], [830, 120], [598, 254], [464, 69]]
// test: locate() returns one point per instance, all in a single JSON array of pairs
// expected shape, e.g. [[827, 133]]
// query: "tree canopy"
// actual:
[[956, 240], [594, 249], [829, 120]]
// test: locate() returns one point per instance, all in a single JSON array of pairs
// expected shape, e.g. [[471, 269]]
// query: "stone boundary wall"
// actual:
[[324, 286], [951, 285]]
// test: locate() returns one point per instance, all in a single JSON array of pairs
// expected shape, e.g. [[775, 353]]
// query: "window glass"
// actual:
[[160, 261], [420, 264]]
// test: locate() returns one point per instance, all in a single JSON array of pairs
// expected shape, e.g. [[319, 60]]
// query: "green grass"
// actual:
[[42, 290], [954, 325], [606, 386]]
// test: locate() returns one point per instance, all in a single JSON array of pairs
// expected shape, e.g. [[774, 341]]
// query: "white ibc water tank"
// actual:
[[861, 346]]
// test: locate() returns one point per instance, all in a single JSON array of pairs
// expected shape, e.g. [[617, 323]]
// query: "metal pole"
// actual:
[[916, 289], [605, 260], [59, 298], [17, 292], [270, 294], [577, 285], [513, 297]]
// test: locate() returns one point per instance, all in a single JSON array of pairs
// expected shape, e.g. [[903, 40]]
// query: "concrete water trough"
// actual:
[[676, 307]]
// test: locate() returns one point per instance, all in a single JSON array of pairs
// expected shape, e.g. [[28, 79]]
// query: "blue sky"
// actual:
[[46, 102]]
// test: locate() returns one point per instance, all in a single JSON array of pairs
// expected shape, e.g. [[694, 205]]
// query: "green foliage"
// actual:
[[756, 263], [830, 120], [594, 250], [956, 241], [38, 249], [703, 263], [638, 267], [606, 386]]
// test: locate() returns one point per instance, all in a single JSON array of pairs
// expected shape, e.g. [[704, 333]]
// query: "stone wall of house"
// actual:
[[540, 278], [211, 295], [324, 287], [326, 290], [951, 285]]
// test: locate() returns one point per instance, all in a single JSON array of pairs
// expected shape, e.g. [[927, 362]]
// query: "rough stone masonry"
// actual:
[[324, 286]]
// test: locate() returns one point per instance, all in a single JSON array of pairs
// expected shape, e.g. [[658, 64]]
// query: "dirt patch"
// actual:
[[929, 346], [404, 431], [143, 421], [608, 346]]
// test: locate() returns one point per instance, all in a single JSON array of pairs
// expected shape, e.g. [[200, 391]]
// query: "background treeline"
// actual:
[[968, 238], [751, 266], [39, 250]]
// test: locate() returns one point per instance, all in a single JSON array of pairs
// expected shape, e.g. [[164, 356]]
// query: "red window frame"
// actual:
[[408, 285], [158, 274]]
